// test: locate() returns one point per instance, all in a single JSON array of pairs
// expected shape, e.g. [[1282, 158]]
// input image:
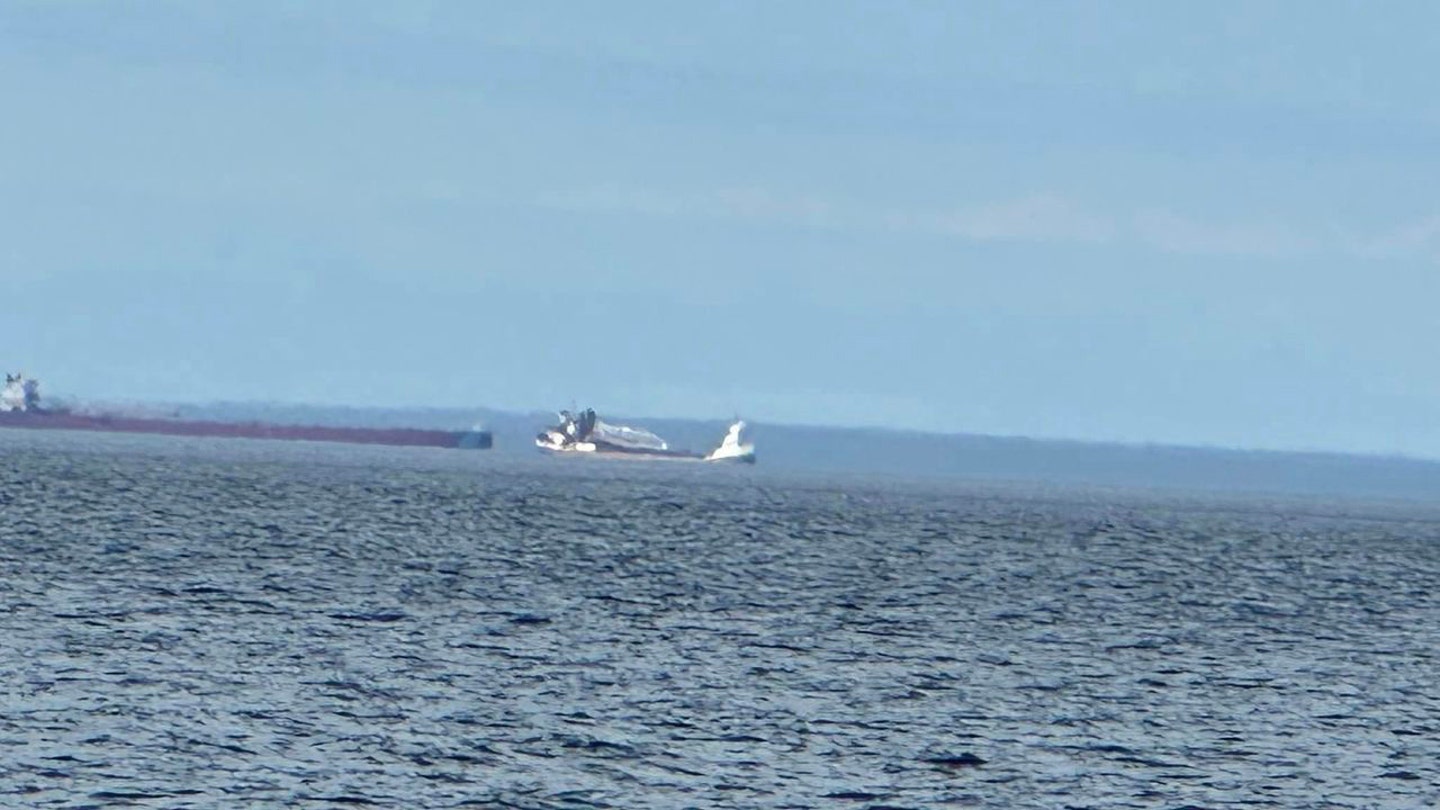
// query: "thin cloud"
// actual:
[[1043, 218], [614, 199], [1038, 218], [1419, 237], [1174, 233], [759, 204]]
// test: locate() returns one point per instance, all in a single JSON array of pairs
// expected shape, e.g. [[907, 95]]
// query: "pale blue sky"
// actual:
[[1211, 223]]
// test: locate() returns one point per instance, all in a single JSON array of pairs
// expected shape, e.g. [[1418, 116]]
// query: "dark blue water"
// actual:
[[193, 623]]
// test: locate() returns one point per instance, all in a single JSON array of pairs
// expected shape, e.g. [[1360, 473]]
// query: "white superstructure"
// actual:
[[731, 448], [19, 393], [585, 433]]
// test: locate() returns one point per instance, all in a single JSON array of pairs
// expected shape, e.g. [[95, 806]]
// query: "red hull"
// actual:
[[404, 437]]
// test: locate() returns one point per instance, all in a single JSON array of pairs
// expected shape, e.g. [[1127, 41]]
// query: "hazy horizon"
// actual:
[[1198, 226], [692, 427]]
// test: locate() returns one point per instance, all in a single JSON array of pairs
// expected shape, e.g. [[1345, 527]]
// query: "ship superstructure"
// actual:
[[19, 394]]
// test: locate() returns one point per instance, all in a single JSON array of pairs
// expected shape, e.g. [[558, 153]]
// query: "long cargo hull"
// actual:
[[402, 437]]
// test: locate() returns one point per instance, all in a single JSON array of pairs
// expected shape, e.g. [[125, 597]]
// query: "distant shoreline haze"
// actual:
[[886, 452]]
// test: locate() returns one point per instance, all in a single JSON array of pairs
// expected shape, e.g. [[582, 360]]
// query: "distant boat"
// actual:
[[586, 434], [20, 407]]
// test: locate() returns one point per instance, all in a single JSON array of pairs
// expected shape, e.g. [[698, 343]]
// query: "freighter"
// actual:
[[20, 407], [586, 434]]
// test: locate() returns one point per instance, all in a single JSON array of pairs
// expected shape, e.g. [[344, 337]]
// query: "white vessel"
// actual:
[[584, 433], [19, 394]]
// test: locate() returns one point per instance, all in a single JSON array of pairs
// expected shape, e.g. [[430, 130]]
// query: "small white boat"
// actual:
[[585, 434]]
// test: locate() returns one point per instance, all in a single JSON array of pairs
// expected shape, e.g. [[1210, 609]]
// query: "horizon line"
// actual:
[[1134, 444]]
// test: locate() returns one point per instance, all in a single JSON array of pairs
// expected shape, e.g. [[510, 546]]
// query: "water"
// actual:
[[192, 623]]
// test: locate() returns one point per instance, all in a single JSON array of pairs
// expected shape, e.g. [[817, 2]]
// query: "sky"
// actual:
[[1191, 223]]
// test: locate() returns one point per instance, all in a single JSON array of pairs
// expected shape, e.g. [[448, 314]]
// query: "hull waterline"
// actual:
[[395, 437]]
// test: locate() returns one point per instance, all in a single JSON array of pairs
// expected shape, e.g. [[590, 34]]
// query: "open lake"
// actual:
[[219, 623]]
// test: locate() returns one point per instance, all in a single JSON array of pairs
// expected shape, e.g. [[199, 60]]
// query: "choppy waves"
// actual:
[[185, 625]]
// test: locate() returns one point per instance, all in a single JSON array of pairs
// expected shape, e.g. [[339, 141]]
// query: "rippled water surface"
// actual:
[[189, 623]]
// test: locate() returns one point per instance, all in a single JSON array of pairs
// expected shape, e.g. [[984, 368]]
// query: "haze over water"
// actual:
[[191, 623]]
